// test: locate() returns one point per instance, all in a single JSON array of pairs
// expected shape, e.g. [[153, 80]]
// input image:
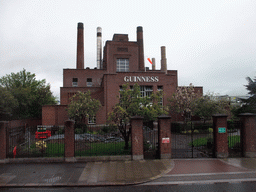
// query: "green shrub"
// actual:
[[78, 131], [80, 126], [210, 130], [109, 129]]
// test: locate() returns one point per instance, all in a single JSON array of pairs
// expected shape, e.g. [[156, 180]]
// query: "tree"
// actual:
[[249, 105], [182, 101], [130, 104], [31, 94], [7, 104], [83, 106], [208, 105]]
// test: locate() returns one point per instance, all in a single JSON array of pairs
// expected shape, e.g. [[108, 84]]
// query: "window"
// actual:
[[75, 82], [92, 120], [89, 82], [146, 91], [160, 88], [122, 65]]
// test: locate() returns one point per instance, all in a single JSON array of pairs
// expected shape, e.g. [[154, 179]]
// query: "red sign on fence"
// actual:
[[166, 140]]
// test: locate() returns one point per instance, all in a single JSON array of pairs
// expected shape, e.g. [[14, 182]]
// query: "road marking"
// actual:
[[204, 174], [200, 182]]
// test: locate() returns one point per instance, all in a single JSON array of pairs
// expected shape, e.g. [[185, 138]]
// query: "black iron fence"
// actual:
[[96, 140], [192, 139], [234, 138], [26, 142], [150, 143]]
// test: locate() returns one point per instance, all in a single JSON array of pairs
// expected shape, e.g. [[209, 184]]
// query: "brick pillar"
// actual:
[[220, 135], [69, 141], [248, 134], [3, 139], [137, 137], [164, 136]]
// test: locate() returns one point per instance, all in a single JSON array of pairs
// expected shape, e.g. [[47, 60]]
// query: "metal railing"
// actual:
[[234, 138], [27, 142], [192, 139], [104, 140]]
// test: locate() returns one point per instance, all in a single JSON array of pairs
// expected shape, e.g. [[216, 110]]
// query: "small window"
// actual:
[[159, 88], [122, 65], [75, 82], [89, 82], [92, 120]]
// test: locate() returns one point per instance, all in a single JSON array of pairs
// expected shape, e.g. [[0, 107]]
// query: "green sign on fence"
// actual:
[[222, 130]]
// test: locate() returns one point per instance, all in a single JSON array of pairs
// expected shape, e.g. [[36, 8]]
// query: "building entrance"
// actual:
[[192, 139]]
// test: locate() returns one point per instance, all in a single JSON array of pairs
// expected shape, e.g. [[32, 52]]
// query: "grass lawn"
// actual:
[[51, 150], [88, 149], [101, 149], [232, 140]]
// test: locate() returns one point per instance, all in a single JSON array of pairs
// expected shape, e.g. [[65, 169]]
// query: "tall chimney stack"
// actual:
[[99, 48], [153, 64], [163, 60], [80, 46], [141, 49]]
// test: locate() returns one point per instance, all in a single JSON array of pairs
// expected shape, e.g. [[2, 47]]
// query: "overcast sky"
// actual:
[[212, 43]]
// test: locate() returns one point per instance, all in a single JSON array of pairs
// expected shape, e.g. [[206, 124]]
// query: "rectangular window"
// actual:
[[75, 82], [146, 91], [92, 120], [89, 82], [122, 65]]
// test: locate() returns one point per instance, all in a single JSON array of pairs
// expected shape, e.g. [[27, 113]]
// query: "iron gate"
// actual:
[[26, 142], [150, 143], [234, 138], [192, 139]]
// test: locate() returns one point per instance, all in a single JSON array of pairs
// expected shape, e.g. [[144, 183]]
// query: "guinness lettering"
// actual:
[[141, 79]]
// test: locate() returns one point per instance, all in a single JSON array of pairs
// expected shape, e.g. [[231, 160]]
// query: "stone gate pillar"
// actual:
[[3, 139], [220, 135], [137, 137], [248, 134], [69, 141], [164, 136]]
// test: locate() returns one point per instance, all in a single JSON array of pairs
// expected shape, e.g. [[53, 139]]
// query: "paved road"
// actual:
[[204, 171], [220, 187]]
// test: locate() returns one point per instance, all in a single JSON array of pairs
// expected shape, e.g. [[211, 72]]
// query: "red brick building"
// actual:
[[123, 62]]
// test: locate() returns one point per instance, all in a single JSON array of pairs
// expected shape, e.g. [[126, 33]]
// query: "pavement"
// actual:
[[127, 172]]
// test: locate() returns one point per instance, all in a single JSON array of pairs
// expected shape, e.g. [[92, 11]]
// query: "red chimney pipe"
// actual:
[[80, 46], [141, 48]]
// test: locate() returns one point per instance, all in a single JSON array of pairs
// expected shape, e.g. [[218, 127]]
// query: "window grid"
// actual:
[[122, 65], [146, 91]]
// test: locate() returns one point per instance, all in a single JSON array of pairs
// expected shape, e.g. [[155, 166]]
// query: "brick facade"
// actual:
[[164, 136], [137, 137], [54, 114], [104, 83], [3, 139], [69, 139], [248, 133], [220, 138]]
